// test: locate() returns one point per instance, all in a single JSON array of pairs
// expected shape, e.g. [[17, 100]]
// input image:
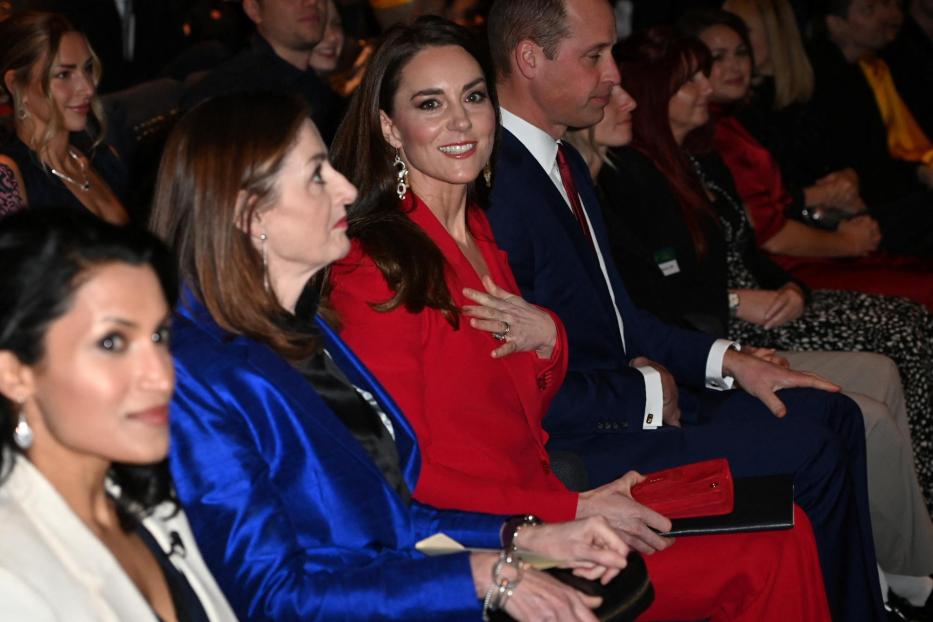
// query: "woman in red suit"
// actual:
[[429, 303]]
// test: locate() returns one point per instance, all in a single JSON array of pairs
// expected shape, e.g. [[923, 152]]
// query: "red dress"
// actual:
[[761, 187], [478, 423]]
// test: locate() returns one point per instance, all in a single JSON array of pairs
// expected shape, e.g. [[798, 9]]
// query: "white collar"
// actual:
[[541, 145]]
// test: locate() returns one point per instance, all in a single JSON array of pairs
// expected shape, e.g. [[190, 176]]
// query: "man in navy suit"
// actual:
[[640, 394]]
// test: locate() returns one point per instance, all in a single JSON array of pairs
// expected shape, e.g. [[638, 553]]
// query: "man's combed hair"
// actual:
[[513, 21]]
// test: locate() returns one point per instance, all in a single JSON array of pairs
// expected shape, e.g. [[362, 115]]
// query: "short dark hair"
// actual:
[[45, 254], [411, 262], [512, 21]]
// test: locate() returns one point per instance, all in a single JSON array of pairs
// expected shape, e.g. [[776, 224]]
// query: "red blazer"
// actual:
[[477, 419]]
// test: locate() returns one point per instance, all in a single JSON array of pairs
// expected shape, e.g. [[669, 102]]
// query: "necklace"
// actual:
[[84, 185]]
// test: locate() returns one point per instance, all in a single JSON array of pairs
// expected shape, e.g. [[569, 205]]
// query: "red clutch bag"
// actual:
[[698, 489]]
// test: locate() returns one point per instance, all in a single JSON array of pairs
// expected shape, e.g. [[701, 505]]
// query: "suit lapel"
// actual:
[[530, 173], [360, 376]]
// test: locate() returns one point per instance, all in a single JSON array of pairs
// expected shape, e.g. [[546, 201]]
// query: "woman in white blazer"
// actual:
[[89, 528]]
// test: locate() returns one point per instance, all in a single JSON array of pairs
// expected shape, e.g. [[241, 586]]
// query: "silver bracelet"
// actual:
[[502, 586]]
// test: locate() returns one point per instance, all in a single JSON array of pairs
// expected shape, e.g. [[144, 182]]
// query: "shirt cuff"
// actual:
[[714, 378], [654, 398]]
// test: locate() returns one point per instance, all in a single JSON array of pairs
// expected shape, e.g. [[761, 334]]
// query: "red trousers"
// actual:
[[755, 577]]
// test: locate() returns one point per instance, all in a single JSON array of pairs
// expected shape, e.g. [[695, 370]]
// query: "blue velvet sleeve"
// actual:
[[285, 521]]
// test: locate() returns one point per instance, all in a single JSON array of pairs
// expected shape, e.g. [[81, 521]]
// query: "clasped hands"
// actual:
[[591, 547], [520, 326]]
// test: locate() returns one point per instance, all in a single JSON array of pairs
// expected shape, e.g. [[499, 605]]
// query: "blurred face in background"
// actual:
[[867, 27], [70, 83], [326, 54], [731, 70], [615, 130], [689, 106], [288, 25]]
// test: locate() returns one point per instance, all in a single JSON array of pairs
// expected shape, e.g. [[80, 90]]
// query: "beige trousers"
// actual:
[[903, 531]]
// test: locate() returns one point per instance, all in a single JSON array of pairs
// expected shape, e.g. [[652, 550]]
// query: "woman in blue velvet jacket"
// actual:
[[294, 466]]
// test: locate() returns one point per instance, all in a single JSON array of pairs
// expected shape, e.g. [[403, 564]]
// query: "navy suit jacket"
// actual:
[[556, 267], [293, 518]]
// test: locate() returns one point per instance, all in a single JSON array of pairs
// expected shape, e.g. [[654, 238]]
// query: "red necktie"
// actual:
[[565, 176]]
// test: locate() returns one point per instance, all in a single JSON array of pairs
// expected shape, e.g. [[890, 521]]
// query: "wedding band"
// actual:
[[505, 333]]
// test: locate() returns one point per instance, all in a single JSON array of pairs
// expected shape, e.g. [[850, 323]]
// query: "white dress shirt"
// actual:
[[544, 149]]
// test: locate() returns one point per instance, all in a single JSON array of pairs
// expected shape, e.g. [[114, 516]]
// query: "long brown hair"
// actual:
[[219, 168], [411, 263], [28, 38], [654, 65]]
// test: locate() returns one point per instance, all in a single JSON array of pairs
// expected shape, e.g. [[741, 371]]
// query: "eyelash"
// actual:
[[317, 177]]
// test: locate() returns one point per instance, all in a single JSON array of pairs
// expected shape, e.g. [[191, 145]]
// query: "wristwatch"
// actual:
[[734, 302]]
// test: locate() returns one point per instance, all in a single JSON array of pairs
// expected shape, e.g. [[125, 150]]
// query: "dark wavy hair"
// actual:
[[654, 64], [46, 255], [410, 261]]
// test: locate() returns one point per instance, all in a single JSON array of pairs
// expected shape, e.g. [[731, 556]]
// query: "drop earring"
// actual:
[[265, 266], [401, 188], [22, 433], [487, 175]]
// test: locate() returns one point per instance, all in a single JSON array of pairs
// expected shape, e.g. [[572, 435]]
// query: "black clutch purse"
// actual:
[[624, 598]]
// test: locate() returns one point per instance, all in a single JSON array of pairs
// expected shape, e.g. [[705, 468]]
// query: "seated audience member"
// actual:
[[680, 238], [910, 58], [51, 74], [326, 54], [294, 465], [780, 85], [423, 298], [632, 379], [91, 528], [846, 114], [278, 59], [821, 258]]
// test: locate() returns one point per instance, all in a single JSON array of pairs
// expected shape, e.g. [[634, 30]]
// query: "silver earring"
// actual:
[[22, 433], [22, 114], [265, 266], [401, 189]]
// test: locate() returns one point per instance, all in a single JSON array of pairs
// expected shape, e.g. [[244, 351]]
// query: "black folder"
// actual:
[[761, 503]]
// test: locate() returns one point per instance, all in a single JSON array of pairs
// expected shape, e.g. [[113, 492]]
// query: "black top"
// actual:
[[187, 604], [654, 251], [910, 58], [43, 189], [259, 69], [356, 412], [844, 110]]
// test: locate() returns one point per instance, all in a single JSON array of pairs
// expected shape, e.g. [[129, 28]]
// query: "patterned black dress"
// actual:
[[840, 320]]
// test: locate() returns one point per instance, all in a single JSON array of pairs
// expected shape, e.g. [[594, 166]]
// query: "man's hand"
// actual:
[[670, 412], [762, 379], [635, 522]]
